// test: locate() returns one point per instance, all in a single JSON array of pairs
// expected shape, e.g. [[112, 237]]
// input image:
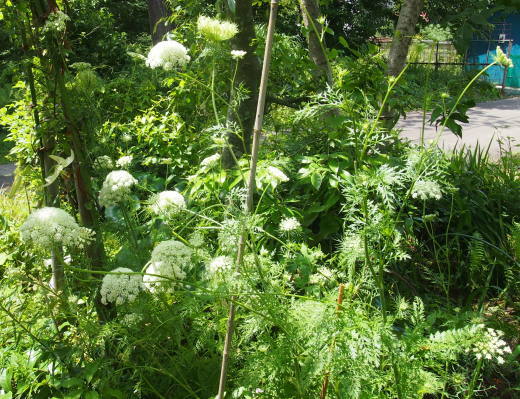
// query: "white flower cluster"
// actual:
[[167, 203], [229, 234], [288, 225], [220, 264], [49, 227], [238, 54], [131, 319], [116, 188], [215, 30], [197, 239], [124, 162], [323, 276], [491, 346], [169, 259], [426, 189], [277, 174], [167, 55], [120, 288], [56, 22], [103, 162]]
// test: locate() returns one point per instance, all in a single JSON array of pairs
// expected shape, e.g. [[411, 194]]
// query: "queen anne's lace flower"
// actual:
[[277, 174], [167, 203], [220, 264], [426, 189], [215, 30], [103, 162], [124, 162], [288, 225], [169, 259], [167, 55], [56, 22], [323, 276], [197, 240], [116, 188], [229, 234], [491, 346], [49, 227], [120, 288], [238, 54]]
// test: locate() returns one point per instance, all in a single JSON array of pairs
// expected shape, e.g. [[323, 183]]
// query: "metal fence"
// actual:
[[439, 54]]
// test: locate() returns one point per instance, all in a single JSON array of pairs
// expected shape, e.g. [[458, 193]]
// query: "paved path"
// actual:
[[492, 121], [7, 174]]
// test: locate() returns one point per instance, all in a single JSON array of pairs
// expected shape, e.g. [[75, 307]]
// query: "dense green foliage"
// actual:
[[422, 247]]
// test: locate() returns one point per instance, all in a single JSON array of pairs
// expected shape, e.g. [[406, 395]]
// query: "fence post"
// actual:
[[437, 57], [504, 76]]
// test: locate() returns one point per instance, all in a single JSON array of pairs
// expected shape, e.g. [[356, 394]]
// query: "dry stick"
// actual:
[[325, 384], [250, 191]]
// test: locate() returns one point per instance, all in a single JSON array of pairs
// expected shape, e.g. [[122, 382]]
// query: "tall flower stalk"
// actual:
[[250, 191]]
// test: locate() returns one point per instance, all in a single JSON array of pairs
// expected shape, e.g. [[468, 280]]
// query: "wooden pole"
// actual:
[[259, 118]]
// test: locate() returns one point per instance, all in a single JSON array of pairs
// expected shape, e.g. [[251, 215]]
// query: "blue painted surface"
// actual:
[[484, 52]]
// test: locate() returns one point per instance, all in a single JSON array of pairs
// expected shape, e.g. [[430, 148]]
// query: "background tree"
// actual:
[[404, 31], [311, 16], [247, 79], [158, 16]]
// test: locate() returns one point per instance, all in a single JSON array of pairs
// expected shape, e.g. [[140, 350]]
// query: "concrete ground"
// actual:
[[490, 122]]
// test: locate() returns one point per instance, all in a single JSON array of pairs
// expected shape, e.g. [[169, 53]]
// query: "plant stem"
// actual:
[[250, 190], [213, 102], [324, 386], [471, 388]]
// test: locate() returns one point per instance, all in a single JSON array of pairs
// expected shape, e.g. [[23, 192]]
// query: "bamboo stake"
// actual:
[[259, 118], [325, 384]]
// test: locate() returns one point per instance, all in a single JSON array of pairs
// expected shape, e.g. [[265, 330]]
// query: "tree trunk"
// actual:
[[157, 12], [404, 31], [311, 14], [88, 210], [247, 76]]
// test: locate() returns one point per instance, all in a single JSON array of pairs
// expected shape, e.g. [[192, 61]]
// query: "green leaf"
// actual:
[[4, 258], [71, 382], [73, 395], [316, 180], [92, 395], [232, 6], [112, 393], [61, 163], [5, 379]]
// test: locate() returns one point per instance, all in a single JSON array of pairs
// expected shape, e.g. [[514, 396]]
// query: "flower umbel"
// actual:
[[103, 162], [502, 59], [124, 162], [426, 189], [167, 55], [120, 288], [491, 346], [116, 188], [288, 225], [220, 264], [50, 227], [238, 54], [216, 30], [169, 259], [167, 203]]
